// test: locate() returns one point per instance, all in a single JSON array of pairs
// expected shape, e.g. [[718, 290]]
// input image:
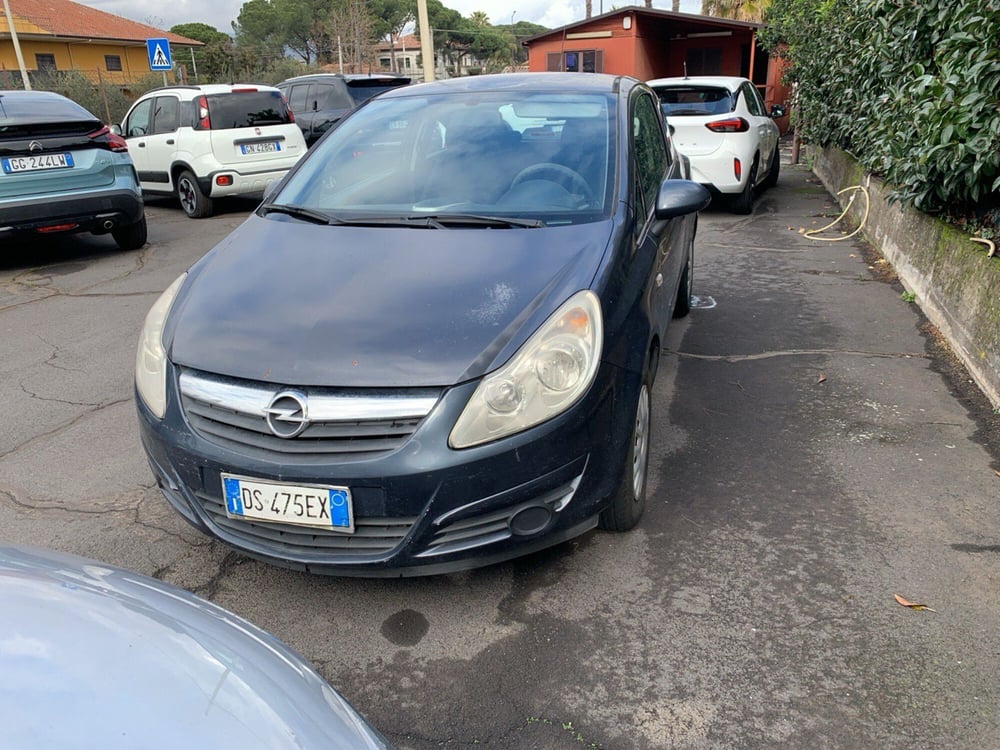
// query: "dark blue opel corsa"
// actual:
[[432, 347]]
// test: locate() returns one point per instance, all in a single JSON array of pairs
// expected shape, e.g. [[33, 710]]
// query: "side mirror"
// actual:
[[671, 128], [680, 197], [777, 111], [116, 129]]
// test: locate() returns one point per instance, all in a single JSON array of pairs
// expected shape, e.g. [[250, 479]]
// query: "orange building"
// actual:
[[59, 35], [646, 43]]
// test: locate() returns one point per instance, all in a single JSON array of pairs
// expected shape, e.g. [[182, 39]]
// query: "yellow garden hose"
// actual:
[[856, 189]]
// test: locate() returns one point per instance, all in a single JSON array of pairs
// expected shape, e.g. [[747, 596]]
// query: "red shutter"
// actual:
[[599, 61], [553, 62]]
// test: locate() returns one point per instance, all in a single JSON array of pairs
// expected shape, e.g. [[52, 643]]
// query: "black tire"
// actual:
[[772, 174], [131, 236], [682, 306], [629, 500], [195, 203], [743, 203]]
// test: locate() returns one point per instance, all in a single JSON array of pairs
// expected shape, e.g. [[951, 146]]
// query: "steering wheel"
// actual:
[[576, 181]]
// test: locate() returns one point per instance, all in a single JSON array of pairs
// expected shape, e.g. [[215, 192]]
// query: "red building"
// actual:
[[646, 43]]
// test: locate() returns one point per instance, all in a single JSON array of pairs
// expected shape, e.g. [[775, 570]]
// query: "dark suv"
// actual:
[[321, 99]]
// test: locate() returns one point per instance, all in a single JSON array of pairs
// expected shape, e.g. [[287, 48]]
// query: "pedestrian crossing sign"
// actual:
[[158, 52]]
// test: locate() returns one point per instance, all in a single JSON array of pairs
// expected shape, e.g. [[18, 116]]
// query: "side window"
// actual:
[[336, 97], [138, 120], [297, 99], [165, 114], [649, 151], [754, 105], [325, 95]]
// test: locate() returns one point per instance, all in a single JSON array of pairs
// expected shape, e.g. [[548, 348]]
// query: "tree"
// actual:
[[209, 60], [392, 17], [736, 10], [272, 26], [353, 28]]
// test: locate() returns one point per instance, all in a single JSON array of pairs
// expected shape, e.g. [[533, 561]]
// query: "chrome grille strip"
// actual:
[[352, 425], [323, 407]]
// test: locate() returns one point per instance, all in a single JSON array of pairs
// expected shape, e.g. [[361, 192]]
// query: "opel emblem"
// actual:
[[35, 146], [287, 414]]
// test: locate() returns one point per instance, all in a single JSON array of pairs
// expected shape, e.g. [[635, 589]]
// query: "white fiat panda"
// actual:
[[206, 142]]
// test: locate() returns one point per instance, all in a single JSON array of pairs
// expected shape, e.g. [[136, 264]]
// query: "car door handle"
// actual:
[[142, 144], [170, 141]]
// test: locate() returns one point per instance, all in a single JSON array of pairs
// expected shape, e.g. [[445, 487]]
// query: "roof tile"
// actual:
[[64, 18]]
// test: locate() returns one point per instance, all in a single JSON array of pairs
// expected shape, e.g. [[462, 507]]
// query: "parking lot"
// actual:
[[813, 455]]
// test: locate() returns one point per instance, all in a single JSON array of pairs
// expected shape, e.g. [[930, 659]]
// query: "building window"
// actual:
[[576, 61], [45, 63], [113, 62]]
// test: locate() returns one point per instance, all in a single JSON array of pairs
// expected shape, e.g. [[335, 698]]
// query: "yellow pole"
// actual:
[[17, 46]]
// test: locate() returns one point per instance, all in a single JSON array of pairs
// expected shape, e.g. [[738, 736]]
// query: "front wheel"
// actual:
[[195, 203], [630, 499]]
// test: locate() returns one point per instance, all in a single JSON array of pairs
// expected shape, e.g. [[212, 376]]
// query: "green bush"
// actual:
[[910, 87]]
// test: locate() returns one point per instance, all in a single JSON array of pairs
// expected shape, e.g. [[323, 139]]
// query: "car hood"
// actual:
[[304, 304], [95, 656]]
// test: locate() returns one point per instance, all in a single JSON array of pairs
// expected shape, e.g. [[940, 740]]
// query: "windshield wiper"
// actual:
[[476, 220], [306, 214]]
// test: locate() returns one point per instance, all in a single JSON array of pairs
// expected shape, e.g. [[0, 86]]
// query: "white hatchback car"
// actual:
[[721, 124], [206, 142]]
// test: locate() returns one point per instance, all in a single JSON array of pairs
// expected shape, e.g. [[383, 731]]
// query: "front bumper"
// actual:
[[422, 508], [99, 211]]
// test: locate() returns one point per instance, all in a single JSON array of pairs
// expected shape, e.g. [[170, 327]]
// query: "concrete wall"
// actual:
[[955, 283]]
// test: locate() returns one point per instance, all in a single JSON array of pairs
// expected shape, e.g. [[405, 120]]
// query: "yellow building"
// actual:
[[59, 35]]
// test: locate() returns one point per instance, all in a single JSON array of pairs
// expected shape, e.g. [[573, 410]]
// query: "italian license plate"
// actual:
[[260, 148], [36, 162], [313, 505]]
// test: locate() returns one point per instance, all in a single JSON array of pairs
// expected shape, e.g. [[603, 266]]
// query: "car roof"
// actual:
[[728, 82], [213, 88], [581, 83], [346, 77]]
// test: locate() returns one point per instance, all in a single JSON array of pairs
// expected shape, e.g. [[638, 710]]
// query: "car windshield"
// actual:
[[679, 101], [517, 155]]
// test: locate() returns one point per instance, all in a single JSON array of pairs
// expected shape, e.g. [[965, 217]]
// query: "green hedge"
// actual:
[[910, 87]]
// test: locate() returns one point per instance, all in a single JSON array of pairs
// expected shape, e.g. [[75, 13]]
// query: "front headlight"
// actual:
[[151, 358], [547, 375]]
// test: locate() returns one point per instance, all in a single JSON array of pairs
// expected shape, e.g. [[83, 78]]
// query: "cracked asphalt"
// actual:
[[814, 454]]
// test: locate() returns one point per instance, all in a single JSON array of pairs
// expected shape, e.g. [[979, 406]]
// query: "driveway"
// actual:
[[811, 460]]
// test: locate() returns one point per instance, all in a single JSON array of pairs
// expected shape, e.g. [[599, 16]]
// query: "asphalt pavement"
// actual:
[[815, 454]]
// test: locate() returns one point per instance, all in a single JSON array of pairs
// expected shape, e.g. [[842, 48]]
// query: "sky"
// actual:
[[221, 13]]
